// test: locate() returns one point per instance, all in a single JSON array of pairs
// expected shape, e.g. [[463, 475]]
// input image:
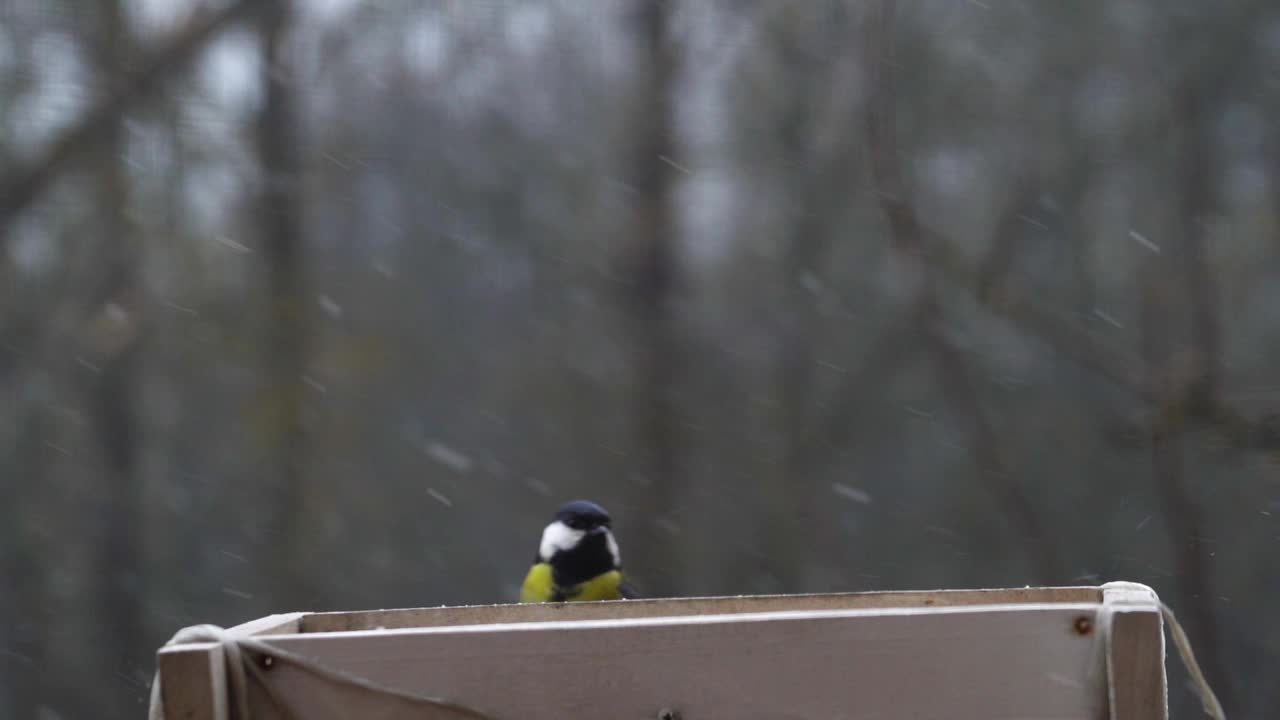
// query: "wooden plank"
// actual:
[[1135, 654], [193, 684], [543, 612], [283, 624], [1026, 661]]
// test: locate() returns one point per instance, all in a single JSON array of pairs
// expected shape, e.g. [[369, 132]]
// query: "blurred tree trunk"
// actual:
[[789, 531], [798, 533], [288, 334], [1195, 199], [907, 240], [1182, 514], [115, 335], [24, 610], [1184, 378], [651, 277]]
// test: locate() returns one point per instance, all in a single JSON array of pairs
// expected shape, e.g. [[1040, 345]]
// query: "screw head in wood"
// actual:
[[1083, 625]]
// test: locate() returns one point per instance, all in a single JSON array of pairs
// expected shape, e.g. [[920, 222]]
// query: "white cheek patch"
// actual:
[[613, 548], [558, 536]]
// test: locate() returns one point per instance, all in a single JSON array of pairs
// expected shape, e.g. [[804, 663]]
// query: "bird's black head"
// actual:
[[583, 515], [578, 544]]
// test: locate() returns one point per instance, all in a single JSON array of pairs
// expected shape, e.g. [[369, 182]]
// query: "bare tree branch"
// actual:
[[23, 186], [999, 259], [1198, 398], [1062, 330], [888, 352], [1091, 350]]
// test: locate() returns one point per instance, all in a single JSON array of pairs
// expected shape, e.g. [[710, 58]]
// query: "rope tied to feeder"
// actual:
[[246, 657], [1208, 700]]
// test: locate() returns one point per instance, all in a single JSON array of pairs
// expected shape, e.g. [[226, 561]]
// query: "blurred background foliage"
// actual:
[[327, 304]]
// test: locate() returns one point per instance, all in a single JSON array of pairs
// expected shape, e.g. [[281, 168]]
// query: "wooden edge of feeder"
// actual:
[[194, 675], [1138, 686], [1029, 660], [547, 612], [195, 684], [282, 624], [194, 681]]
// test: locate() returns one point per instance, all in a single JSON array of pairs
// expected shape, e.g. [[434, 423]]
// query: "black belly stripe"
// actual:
[[590, 558]]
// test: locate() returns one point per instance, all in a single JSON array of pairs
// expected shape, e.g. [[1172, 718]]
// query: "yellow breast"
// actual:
[[539, 586]]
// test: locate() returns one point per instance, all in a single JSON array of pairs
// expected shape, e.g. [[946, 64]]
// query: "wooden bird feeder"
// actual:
[[1087, 653]]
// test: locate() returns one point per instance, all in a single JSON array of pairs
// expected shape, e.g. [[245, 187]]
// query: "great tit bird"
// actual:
[[577, 559]]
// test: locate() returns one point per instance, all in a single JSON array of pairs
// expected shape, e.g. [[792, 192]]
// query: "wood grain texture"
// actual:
[[483, 614], [193, 683], [1026, 661], [1135, 654]]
